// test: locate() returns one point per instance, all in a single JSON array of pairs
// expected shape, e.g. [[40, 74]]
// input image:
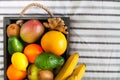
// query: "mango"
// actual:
[[31, 31]]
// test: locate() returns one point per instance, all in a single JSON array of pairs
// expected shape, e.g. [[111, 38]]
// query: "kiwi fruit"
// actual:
[[13, 30], [45, 75]]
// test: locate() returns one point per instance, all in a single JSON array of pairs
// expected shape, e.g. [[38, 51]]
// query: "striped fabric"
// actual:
[[94, 32]]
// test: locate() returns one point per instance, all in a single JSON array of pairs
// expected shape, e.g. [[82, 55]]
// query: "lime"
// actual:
[[19, 61]]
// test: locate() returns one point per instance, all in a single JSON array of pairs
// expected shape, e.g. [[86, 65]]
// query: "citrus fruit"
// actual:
[[19, 60], [15, 74], [54, 42], [32, 51]]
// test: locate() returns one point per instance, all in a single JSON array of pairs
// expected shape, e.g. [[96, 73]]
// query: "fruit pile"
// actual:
[[36, 50]]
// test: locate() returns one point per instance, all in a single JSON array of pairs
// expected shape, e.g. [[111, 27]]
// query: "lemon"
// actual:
[[19, 60]]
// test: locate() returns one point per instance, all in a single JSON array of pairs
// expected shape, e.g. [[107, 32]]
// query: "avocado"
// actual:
[[14, 45], [49, 61]]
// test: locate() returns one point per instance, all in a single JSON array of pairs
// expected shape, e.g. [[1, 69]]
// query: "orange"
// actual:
[[15, 74], [32, 51], [54, 42]]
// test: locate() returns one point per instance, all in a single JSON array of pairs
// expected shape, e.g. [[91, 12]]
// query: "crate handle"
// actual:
[[37, 5]]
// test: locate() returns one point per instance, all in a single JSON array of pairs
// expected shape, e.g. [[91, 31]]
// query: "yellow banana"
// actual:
[[72, 77], [79, 71], [68, 67]]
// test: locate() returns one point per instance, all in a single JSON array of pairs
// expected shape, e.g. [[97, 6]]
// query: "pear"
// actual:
[[33, 72]]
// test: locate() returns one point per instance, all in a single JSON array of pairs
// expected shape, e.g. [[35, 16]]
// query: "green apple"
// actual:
[[33, 72]]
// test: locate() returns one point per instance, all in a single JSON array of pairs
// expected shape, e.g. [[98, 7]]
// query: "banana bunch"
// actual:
[[78, 73], [69, 72]]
